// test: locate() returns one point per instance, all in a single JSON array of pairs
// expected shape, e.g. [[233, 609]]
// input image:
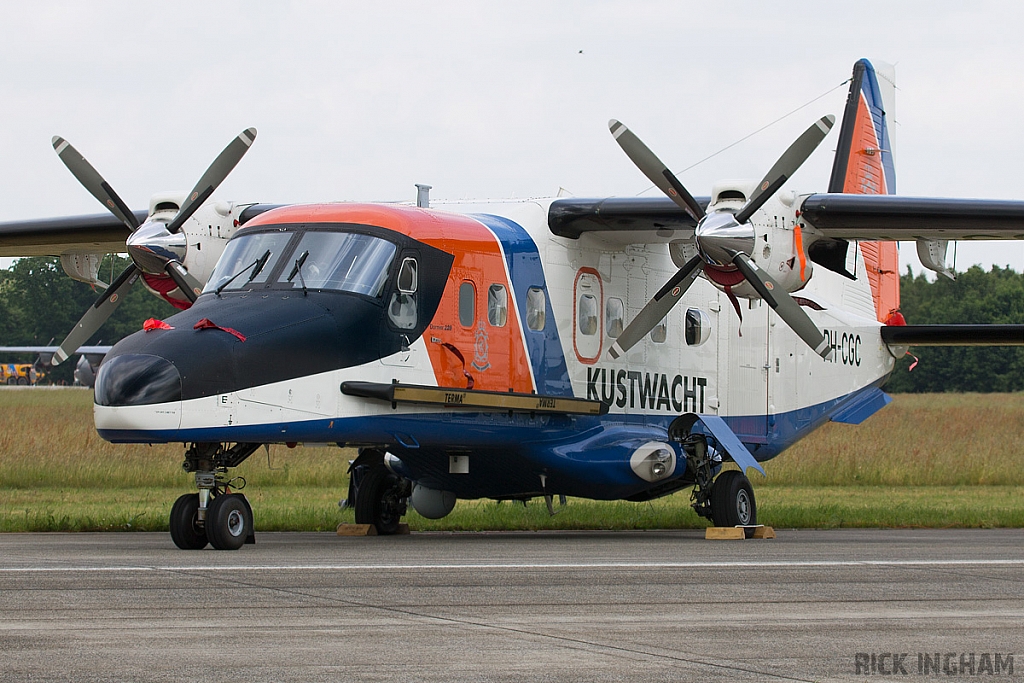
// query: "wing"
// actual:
[[897, 218], [659, 217], [95, 233], [839, 216]]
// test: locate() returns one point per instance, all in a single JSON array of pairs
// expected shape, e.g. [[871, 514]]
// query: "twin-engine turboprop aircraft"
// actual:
[[89, 360], [620, 348]]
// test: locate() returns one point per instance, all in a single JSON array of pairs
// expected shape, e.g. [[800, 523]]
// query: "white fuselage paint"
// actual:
[[757, 367]]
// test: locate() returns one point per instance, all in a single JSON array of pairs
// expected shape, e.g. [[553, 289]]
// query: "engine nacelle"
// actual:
[[206, 233], [779, 247]]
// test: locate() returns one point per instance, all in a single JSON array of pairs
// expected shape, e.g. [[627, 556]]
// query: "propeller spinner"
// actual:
[[725, 240], [156, 247]]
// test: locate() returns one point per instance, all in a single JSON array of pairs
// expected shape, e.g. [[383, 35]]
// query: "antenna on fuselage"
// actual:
[[423, 196]]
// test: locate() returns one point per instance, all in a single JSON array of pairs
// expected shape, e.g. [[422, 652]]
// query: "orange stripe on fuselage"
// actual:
[[865, 175], [494, 355]]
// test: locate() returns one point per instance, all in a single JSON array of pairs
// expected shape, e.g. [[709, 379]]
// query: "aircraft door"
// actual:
[[587, 315], [743, 367], [402, 312], [787, 363]]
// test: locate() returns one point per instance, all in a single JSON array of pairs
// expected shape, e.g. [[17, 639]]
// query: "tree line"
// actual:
[[977, 297], [39, 305]]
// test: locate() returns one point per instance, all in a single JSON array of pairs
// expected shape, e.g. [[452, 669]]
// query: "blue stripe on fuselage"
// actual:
[[873, 95], [551, 375], [581, 456]]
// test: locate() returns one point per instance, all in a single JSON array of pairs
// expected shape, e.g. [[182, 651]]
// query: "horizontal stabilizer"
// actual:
[[953, 335], [84, 350]]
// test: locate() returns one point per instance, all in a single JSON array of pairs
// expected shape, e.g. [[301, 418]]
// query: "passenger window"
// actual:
[[467, 304], [586, 314], [698, 327], [613, 314], [536, 308], [497, 305], [660, 332]]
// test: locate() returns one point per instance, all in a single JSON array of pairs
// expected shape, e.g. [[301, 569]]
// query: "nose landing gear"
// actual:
[[215, 515]]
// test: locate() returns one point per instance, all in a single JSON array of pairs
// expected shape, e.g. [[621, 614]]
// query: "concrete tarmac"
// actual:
[[588, 606]]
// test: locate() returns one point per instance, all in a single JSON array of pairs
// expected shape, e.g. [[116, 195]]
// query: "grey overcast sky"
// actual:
[[359, 101]]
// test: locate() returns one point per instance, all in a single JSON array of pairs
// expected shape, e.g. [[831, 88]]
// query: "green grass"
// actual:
[[937, 460], [315, 508]]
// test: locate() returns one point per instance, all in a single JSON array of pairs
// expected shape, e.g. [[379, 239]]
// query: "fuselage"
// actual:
[[482, 297]]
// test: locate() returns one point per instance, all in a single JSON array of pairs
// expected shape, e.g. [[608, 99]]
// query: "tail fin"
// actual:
[[864, 165]]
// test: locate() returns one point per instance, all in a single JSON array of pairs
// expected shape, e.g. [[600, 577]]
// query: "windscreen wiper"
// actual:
[[297, 270], [256, 266]]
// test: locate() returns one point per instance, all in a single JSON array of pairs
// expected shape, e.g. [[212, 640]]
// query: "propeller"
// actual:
[[156, 247], [725, 240]]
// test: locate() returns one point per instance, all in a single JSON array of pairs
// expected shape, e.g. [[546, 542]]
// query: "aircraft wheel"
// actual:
[[379, 500], [228, 522], [732, 501], [186, 530]]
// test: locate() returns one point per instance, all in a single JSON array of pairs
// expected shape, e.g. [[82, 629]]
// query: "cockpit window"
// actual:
[[322, 260], [242, 254], [345, 261]]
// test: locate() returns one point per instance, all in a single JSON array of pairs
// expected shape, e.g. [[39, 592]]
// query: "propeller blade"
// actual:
[[97, 314], [188, 285], [94, 182], [786, 166], [658, 307], [214, 176], [780, 300], [654, 169]]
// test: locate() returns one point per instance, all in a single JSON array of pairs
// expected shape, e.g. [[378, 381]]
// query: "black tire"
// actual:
[[22, 382], [377, 501], [732, 501], [228, 522], [186, 530]]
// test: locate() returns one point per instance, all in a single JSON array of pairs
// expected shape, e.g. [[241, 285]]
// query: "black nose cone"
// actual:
[[137, 379]]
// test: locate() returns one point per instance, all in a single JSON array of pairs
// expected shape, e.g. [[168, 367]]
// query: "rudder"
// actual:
[[864, 165]]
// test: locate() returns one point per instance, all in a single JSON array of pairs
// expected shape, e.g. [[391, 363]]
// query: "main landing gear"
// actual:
[[380, 497], [727, 500], [215, 515]]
